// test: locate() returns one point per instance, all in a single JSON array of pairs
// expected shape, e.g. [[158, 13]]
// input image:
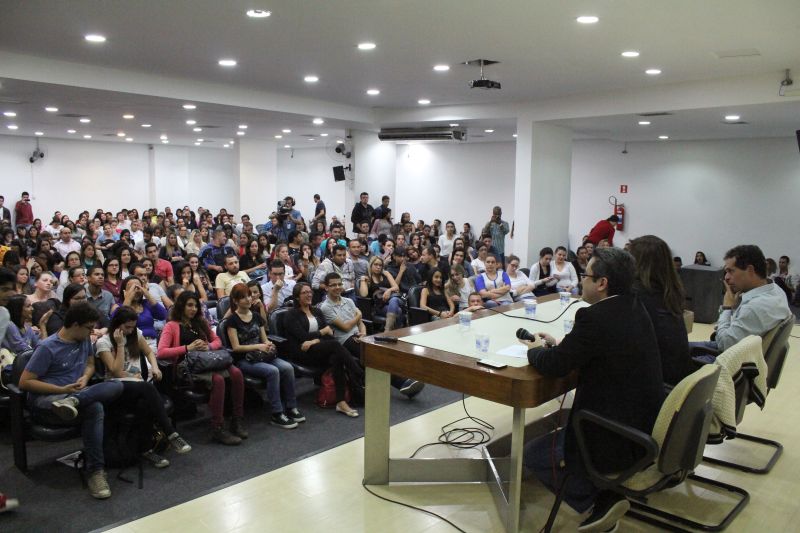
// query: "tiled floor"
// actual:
[[324, 493]]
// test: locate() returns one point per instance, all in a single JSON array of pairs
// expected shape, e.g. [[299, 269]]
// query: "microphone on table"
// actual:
[[525, 335]]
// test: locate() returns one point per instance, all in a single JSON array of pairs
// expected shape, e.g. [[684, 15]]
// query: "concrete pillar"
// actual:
[[541, 188]]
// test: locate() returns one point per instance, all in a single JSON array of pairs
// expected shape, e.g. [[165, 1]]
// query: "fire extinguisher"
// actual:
[[619, 210]]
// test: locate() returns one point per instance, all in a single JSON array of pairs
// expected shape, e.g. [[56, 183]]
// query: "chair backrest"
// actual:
[[222, 333], [526, 271], [223, 304], [776, 347], [276, 318], [20, 362], [413, 295], [681, 428]]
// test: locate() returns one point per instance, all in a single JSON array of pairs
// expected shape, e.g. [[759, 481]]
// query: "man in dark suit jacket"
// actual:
[[5, 214], [614, 349]]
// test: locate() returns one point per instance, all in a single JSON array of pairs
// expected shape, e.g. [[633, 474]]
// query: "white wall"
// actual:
[[304, 173], [699, 195]]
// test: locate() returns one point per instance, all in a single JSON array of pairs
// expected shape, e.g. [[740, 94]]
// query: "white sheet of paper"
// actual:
[[515, 350]]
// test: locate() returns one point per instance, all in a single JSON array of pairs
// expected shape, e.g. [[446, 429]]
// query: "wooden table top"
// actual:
[[516, 387]]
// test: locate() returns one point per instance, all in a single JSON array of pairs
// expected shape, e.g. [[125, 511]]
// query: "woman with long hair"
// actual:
[[171, 251], [113, 281], [20, 335], [380, 287], [459, 257], [187, 331], [257, 300], [307, 263], [73, 260], [541, 274], [281, 252], [189, 280], [22, 275], [125, 261], [90, 256], [138, 297], [252, 262], [433, 298], [458, 288], [700, 259], [195, 243], [564, 272], [310, 341], [73, 293], [128, 358], [256, 356], [200, 272], [521, 285], [659, 288]]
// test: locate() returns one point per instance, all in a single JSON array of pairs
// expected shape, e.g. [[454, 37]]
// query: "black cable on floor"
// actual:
[[440, 517]]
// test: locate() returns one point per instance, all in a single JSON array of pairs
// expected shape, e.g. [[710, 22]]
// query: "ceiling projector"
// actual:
[[483, 82]]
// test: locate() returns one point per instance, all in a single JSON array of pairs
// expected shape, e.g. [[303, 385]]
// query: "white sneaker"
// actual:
[[66, 408], [98, 485]]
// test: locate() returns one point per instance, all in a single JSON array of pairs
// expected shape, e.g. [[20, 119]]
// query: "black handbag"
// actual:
[[259, 356], [199, 362]]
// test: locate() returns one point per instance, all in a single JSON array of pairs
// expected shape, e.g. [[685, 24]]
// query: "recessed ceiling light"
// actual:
[[163, 137], [197, 144], [164, 141], [227, 62], [232, 141], [200, 140], [51, 109], [663, 137], [287, 145], [129, 139], [189, 107], [323, 134], [366, 46], [279, 136], [71, 131], [311, 139], [644, 122], [339, 141], [258, 13], [488, 131], [191, 122], [9, 113], [630, 53], [226, 145], [128, 117], [441, 68], [587, 19], [240, 133], [85, 120], [38, 133], [197, 129], [423, 101], [311, 79], [95, 38], [514, 135], [454, 125], [373, 92], [12, 127], [87, 136], [286, 130], [146, 125], [318, 121], [652, 71], [121, 134], [732, 117], [242, 126]]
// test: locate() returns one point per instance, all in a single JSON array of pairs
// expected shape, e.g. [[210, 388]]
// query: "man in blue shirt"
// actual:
[[213, 254], [57, 377]]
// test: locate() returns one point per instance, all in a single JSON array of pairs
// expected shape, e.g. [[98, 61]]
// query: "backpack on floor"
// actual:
[[125, 438], [326, 395]]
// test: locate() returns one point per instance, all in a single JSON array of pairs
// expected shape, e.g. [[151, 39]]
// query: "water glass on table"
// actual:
[[482, 342]]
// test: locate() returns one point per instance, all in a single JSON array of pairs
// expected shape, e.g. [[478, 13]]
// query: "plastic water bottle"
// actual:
[[530, 307]]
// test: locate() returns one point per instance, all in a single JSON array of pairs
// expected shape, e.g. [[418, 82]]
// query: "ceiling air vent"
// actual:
[[735, 123], [739, 52], [422, 134], [656, 114], [71, 115]]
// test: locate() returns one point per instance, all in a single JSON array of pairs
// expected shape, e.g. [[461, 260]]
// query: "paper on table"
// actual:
[[515, 350]]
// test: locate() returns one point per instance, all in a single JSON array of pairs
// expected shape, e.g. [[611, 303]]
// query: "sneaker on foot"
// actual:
[[295, 415], [98, 485], [66, 408], [608, 509], [155, 459], [179, 444], [282, 421], [237, 427], [411, 387], [7, 504], [223, 436]]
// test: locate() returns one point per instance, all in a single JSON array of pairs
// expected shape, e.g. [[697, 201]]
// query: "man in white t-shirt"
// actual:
[[231, 277]]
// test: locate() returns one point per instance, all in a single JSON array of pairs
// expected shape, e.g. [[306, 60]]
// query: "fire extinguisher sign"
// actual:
[[623, 189]]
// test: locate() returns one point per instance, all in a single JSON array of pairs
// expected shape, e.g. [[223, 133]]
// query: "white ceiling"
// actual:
[[545, 55]]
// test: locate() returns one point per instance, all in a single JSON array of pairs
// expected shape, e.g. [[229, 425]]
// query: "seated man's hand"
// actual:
[[532, 344]]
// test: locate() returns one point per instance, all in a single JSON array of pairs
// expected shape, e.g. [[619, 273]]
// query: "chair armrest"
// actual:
[[14, 390], [638, 438], [364, 305], [276, 339]]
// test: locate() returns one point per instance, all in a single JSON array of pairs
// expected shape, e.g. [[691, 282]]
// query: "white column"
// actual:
[[258, 178], [541, 188], [374, 171], [170, 176]]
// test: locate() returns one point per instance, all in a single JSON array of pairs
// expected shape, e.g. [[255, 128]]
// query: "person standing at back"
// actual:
[[5, 214], [23, 212], [603, 230], [362, 212], [319, 212], [497, 228]]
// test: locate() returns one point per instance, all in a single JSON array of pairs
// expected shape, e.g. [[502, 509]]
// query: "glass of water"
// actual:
[[464, 320], [530, 307], [482, 342], [564, 297], [568, 323]]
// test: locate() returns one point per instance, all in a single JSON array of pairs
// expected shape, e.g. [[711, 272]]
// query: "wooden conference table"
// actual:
[[520, 388]]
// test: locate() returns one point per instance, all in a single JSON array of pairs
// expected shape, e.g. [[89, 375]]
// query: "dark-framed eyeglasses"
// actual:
[[584, 275]]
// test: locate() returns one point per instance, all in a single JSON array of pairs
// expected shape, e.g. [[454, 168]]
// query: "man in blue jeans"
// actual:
[[57, 378]]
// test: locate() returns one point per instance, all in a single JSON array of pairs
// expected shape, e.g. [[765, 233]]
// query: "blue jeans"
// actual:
[[394, 305], [704, 354], [545, 459], [279, 375], [90, 409]]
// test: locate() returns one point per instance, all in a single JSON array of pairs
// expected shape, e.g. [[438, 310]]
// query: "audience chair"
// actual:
[[27, 424], [669, 455], [374, 323], [526, 271], [223, 304], [416, 315], [776, 346]]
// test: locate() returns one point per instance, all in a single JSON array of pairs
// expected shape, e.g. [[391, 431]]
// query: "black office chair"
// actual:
[[28, 424], [525, 270], [223, 304], [775, 346], [416, 315], [669, 455], [277, 335]]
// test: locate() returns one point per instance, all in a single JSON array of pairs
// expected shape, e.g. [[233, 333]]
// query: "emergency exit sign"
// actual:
[[623, 188]]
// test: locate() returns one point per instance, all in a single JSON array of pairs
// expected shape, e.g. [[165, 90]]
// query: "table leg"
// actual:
[[515, 471], [376, 428]]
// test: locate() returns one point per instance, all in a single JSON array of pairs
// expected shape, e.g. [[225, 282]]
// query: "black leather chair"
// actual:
[[525, 270], [28, 424], [277, 334], [416, 315], [223, 304]]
